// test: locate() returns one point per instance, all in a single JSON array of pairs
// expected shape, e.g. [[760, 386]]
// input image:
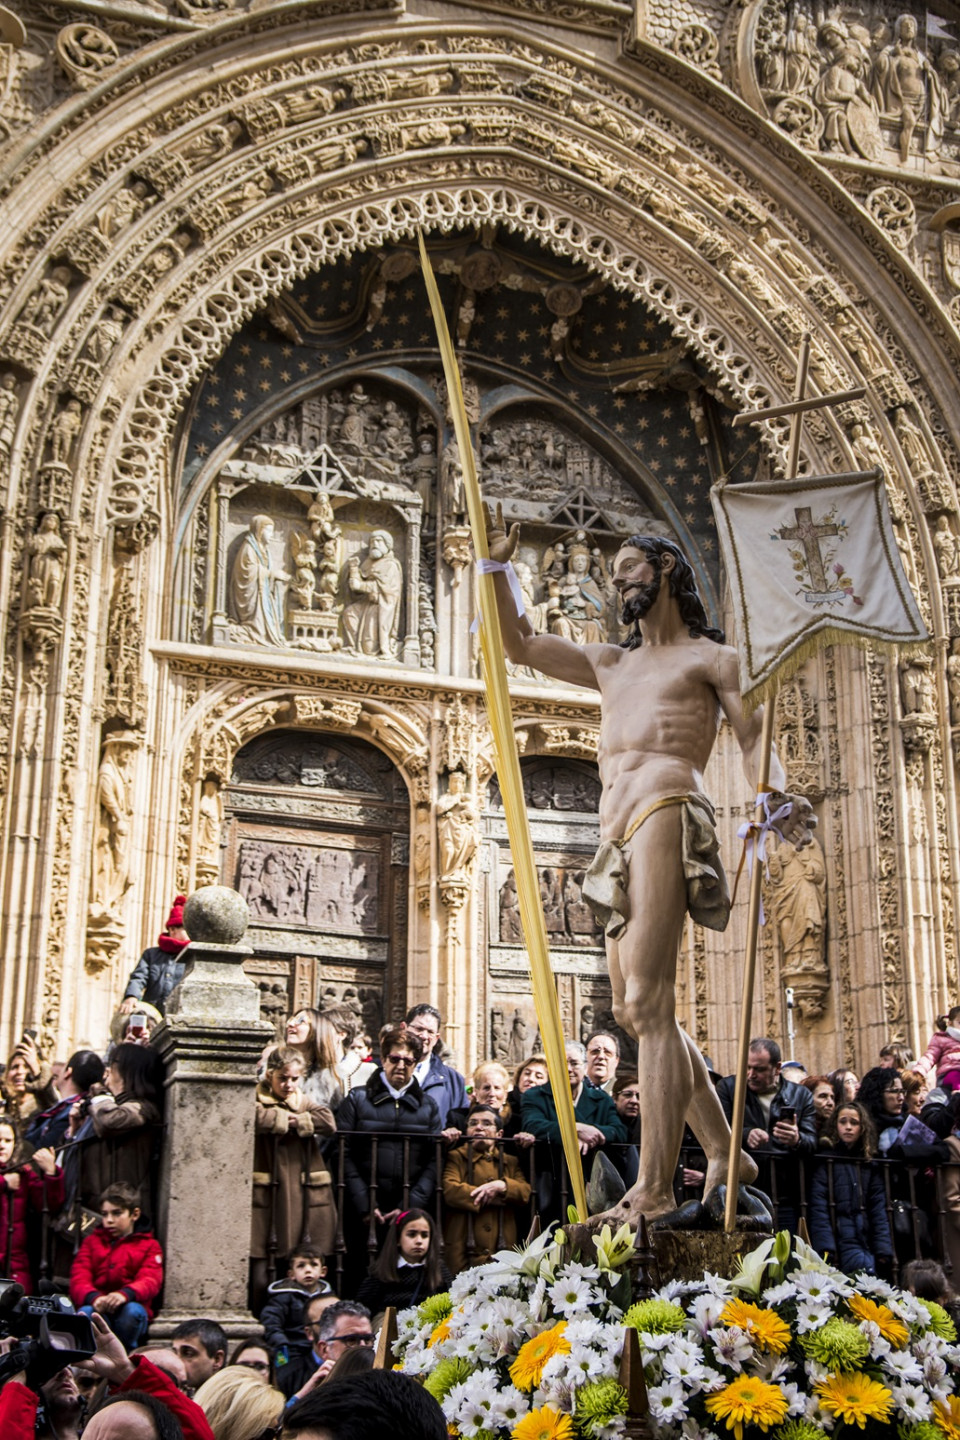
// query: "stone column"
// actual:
[[210, 1043]]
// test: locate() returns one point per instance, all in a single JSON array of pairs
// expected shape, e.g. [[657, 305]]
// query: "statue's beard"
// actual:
[[640, 602]]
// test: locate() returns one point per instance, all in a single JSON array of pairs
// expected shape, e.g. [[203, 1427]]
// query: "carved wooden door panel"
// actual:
[[317, 841]]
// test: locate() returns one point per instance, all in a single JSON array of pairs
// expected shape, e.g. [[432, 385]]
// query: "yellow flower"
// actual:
[[545, 1424], [526, 1370], [439, 1333], [889, 1326], [748, 1401], [764, 1326], [946, 1416], [855, 1398]]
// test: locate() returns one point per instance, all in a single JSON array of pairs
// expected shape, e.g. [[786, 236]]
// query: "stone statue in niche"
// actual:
[[551, 901], [111, 844], [577, 595], [48, 552], [64, 432], [947, 550], [798, 898], [9, 410], [210, 818], [457, 819], [256, 596], [452, 494], [371, 618], [511, 930], [913, 444], [916, 686], [953, 682], [103, 336], [518, 1044], [48, 301], [122, 209]]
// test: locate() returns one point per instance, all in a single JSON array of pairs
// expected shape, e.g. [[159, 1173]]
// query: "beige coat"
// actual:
[[458, 1181], [292, 1193]]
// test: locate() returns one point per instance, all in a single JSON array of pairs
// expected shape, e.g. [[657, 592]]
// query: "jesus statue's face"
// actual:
[[636, 579]]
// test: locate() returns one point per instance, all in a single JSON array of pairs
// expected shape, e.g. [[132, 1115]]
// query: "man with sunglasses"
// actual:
[[332, 1330], [399, 1170]]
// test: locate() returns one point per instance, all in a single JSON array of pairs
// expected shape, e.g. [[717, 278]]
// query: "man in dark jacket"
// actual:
[[598, 1124], [159, 969], [405, 1175], [84, 1069], [445, 1086], [779, 1128]]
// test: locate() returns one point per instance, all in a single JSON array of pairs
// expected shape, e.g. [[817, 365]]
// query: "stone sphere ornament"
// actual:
[[217, 915]]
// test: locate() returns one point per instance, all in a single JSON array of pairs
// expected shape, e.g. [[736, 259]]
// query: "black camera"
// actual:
[[51, 1334]]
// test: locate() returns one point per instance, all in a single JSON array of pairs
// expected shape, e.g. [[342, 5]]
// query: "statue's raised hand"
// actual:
[[500, 544]]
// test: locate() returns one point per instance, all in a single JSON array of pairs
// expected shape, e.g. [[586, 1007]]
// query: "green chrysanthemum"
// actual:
[[940, 1323], [598, 1402], [838, 1345], [923, 1430], [798, 1430], [445, 1374], [656, 1317], [435, 1309]]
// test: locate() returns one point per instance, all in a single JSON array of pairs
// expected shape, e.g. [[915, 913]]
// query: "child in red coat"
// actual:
[[23, 1187], [118, 1270]]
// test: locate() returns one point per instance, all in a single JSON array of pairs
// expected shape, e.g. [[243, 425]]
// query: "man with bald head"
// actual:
[[663, 694]]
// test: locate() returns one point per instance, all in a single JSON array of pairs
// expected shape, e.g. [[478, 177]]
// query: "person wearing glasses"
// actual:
[[407, 1124], [332, 1330], [445, 1086]]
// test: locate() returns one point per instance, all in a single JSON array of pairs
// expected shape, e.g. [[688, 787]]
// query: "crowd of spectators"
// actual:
[[380, 1172]]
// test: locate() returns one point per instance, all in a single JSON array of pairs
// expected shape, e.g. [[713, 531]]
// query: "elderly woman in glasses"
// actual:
[[390, 1130]]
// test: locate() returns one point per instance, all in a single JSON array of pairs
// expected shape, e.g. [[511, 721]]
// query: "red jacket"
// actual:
[[131, 1263], [18, 1405], [14, 1205]]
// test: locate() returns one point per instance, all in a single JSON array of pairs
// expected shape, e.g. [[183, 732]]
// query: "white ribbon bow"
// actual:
[[490, 567], [755, 834]]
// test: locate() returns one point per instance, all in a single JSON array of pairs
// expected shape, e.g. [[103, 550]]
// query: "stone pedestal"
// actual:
[[210, 1042]]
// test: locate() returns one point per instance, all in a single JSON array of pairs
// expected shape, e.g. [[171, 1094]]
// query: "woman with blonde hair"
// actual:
[[239, 1405], [313, 1035]]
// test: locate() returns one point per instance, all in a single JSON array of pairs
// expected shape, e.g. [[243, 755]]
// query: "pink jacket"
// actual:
[[942, 1052]]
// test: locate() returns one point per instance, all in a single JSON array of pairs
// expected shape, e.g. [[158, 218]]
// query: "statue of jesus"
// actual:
[[663, 693]]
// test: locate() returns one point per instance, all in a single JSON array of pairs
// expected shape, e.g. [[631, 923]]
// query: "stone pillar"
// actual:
[[210, 1043]]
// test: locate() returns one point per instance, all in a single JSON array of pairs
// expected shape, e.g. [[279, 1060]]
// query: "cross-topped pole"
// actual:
[[806, 532]]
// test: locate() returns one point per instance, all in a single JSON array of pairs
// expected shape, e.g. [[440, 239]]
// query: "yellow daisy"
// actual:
[[854, 1398], [946, 1416], [545, 1424], [748, 1400], [526, 1370], [763, 1326], [882, 1316], [439, 1333]]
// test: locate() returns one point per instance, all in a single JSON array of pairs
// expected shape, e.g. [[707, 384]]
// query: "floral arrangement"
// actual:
[[528, 1347]]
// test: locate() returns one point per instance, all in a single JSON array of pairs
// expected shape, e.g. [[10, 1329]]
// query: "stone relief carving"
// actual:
[[318, 886], [797, 892], [569, 919], [210, 816], [457, 818], [918, 723], [561, 787], [47, 570], [84, 52], [855, 81], [111, 847], [256, 599], [371, 619], [310, 762], [9, 410]]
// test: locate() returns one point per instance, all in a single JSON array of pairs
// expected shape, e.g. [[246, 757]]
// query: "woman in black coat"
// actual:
[[848, 1212]]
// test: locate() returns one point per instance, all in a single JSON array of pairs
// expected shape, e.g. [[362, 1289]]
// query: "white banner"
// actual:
[[811, 563]]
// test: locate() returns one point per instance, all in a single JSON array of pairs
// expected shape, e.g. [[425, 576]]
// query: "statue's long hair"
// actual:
[[683, 588]]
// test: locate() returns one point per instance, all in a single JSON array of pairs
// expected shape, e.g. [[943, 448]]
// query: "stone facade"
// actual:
[[234, 572]]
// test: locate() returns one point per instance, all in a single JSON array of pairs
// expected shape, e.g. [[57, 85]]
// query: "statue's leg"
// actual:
[[708, 1122]]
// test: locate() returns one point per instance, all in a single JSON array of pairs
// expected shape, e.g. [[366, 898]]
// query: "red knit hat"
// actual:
[[176, 914]]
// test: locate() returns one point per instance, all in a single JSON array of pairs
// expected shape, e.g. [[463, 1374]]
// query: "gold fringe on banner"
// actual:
[[768, 688], [508, 763]]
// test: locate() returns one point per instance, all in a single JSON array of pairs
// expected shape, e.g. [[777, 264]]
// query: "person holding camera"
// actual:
[[779, 1127], [24, 1185]]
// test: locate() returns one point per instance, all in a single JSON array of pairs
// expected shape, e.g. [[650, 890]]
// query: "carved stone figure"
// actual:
[[850, 122], [908, 87], [48, 552], [48, 301], [576, 607], [452, 493], [457, 819], [511, 930], [209, 830], [211, 144], [866, 447], [304, 549], [371, 621], [953, 682], [798, 883], [861, 347], [104, 336], [111, 845], [916, 686], [122, 209], [9, 410], [912, 443], [517, 1046], [947, 550], [256, 598], [64, 432], [328, 536], [84, 52]]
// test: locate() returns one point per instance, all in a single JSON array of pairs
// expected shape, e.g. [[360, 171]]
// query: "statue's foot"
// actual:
[[752, 1212], [688, 1216], [634, 1207], [717, 1171]]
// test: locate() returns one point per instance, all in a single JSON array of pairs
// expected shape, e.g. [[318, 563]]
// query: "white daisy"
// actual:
[[902, 1365], [667, 1401], [570, 1295], [912, 1402]]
